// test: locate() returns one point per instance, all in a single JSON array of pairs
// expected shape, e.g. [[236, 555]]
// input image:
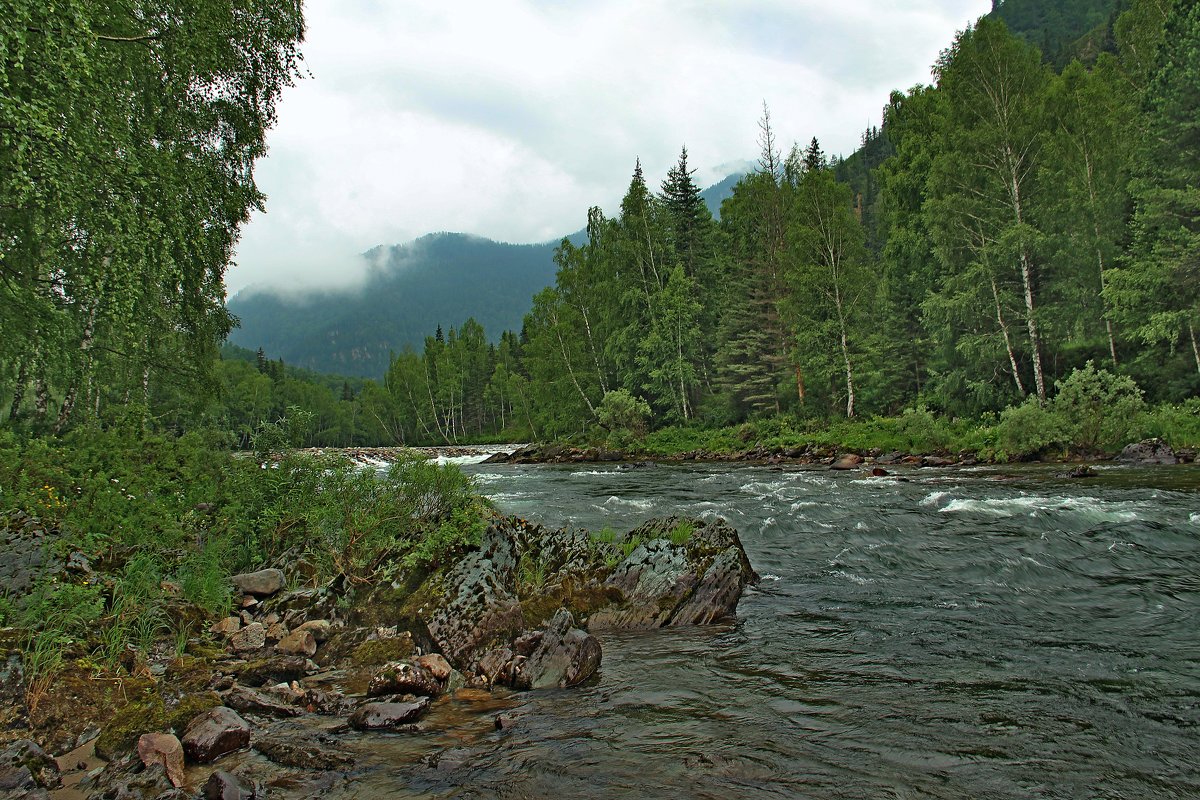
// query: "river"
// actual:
[[981, 633]]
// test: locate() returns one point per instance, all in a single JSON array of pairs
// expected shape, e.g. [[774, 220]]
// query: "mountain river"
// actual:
[[979, 633]]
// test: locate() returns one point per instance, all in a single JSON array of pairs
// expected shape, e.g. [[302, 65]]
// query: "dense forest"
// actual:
[[1003, 228]]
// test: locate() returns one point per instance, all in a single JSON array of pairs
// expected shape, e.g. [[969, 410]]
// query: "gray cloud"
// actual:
[[508, 118]]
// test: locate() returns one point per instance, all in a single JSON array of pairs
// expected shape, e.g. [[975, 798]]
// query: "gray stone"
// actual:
[[24, 764], [663, 584], [263, 583], [564, 656], [227, 786], [302, 750]]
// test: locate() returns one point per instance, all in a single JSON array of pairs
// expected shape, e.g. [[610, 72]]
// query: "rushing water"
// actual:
[[942, 634]]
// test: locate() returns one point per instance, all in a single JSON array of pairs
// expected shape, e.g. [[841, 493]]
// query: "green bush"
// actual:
[[1179, 424], [1098, 411], [1027, 431], [624, 417]]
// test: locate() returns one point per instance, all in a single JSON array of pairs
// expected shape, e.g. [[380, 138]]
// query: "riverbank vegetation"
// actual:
[[125, 542]]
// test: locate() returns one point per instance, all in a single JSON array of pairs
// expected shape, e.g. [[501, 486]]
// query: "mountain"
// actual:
[[440, 279]]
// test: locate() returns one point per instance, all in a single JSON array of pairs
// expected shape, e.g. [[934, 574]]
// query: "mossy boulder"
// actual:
[[149, 715]]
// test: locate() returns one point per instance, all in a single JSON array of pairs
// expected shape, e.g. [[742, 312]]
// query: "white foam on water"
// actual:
[[770, 577], [861, 526], [861, 581], [642, 503], [1032, 505], [933, 498], [462, 461], [804, 504], [592, 473], [1194, 519]]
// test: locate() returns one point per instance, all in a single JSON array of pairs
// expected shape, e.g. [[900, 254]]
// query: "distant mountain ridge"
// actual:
[[411, 289]]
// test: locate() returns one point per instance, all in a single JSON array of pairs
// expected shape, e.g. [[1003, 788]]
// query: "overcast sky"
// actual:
[[509, 118]]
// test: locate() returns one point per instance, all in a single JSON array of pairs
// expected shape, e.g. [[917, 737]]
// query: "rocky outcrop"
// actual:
[[696, 581], [26, 767], [215, 733], [1150, 451], [559, 656]]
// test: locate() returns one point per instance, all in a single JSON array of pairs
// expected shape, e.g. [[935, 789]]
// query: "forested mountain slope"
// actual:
[[440, 279]]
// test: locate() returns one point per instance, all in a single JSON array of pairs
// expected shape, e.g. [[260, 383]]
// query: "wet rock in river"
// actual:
[[164, 749], [562, 656], [846, 461], [696, 582], [405, 678], [250, 701], [382, 716], [227, 786], [302, 750], [215, 733]]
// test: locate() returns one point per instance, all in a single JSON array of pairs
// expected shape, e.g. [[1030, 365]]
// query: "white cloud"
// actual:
[[509, 118]]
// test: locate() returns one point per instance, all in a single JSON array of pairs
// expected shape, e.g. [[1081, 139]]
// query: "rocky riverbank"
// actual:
[[277, 697], [1148, 452]]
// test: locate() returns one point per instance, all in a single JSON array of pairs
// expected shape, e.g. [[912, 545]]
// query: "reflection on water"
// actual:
[[952, 634]]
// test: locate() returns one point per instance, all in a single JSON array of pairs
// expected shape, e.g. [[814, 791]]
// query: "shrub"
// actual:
[[1098, 410], [1027, 430], [623, 416]]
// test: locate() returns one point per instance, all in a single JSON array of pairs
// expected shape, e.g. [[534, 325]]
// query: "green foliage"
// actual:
[[1178, 425], [623, 416], [109, 298], [1028, 430]]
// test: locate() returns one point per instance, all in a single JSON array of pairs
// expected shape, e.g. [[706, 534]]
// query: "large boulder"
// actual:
[[215, 733], [1150, 451], [669, 580], [477, 605]]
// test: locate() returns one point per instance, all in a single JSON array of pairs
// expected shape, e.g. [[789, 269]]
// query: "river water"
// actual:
[[934, 634]]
